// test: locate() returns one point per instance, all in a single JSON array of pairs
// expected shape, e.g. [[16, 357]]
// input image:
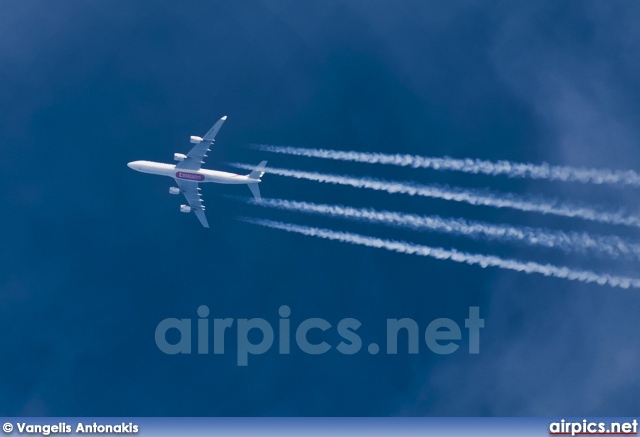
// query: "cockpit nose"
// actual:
[[132, 165]]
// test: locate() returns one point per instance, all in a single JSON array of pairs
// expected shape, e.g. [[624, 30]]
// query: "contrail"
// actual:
[[470, 196], [454, 255], [567, 241], [475, 166]]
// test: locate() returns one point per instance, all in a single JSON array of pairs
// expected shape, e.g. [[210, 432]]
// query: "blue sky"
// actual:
[[95, 255]]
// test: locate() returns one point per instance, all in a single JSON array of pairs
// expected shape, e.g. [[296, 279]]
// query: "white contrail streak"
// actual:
[[475, 166], [454, 255], [567, 241], [470, 196]]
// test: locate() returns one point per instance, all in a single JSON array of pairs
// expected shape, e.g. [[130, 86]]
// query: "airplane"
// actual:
[[188, 173]]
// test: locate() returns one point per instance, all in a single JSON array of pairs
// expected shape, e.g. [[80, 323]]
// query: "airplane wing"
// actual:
[[196, 155], [191, 192]]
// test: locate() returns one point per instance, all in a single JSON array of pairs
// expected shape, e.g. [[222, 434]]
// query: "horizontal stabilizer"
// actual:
[[258, 172], [255, 190]]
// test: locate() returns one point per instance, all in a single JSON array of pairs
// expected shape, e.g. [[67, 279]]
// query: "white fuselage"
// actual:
[[200, 176]]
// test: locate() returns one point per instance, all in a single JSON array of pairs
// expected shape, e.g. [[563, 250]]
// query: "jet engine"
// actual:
[[185, 208], [174, 190], [195, 140], [179, 157]]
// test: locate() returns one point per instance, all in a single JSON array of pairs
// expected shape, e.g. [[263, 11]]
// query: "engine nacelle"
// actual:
[[174, 190], [195, 140], [185, 208], [179, 157]]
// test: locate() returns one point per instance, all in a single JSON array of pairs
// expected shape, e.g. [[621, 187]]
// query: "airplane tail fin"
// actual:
[[255, 190], [258, 172]]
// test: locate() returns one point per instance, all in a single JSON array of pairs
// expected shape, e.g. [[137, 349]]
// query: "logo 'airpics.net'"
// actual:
[[189, 176], [313, 335]]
